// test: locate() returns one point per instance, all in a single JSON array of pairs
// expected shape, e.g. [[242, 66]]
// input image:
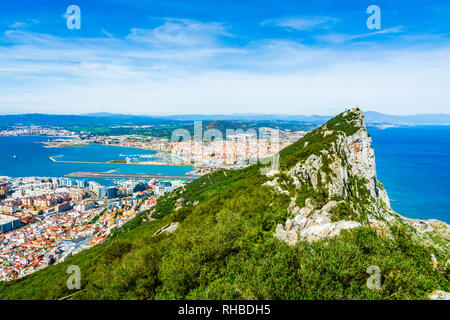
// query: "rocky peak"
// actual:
[[336, 172]]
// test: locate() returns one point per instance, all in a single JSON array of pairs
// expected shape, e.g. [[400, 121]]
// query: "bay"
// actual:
[[32, 159]]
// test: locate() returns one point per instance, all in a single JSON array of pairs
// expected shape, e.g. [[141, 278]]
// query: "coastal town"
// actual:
[[37, 131], [43, 221]]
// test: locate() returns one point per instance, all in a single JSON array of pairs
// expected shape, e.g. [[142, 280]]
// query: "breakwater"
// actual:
[[115, 175]]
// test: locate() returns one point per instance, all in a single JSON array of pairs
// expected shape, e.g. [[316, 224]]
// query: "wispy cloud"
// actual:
[[23, 24], [302, 23], [17, 25], [341, 38], [108, 34], [181, 32], [175, 47]]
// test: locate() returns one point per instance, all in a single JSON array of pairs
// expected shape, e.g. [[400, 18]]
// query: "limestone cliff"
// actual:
[[339, 175]]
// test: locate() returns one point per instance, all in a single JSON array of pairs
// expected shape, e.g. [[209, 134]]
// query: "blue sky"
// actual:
[[178, 57]]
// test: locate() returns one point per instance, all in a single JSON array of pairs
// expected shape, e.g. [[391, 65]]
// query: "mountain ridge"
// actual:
[[228, 230]]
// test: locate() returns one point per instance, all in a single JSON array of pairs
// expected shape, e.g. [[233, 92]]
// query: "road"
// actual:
[[131, 175]]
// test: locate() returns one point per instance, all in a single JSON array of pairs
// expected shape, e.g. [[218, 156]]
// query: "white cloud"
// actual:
[[338, 38], [183, 67], [180, 32], [17, 25], [302, 23], [22, 24], [109, 35]]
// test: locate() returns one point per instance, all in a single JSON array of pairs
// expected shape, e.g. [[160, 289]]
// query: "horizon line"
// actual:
[[98, 114]]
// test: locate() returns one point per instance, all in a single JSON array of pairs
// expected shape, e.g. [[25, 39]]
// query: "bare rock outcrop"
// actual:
[[439, 295], [170, 228], [312, 224], [345, 168]]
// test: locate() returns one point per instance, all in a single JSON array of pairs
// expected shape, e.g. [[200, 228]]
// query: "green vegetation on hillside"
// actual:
[[165, 131]]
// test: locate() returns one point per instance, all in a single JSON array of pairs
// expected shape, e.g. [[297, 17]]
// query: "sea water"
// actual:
[[32, 159], [413, 163]]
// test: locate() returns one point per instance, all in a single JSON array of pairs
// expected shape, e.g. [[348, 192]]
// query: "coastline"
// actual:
[[426, 225]]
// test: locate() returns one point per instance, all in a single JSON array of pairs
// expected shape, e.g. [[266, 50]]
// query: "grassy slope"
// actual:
[[225, 248]]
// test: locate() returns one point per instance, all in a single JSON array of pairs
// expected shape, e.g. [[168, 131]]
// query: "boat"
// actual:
[[14, 157]]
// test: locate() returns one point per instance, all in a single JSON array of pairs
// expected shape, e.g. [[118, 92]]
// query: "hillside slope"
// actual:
[[309, 230]]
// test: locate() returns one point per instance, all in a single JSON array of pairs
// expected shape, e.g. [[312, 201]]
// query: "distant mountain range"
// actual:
[[105, 118], [419, 119], [372, 117], [80, 120]]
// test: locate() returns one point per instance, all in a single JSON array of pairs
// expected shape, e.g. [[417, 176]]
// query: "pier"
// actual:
[[114, 175], [66, 161]]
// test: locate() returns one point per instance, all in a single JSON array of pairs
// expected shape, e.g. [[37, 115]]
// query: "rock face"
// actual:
[[170, 228], [274, 183], [347, 156], [345, 169], [312, 224], [439, 295]]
